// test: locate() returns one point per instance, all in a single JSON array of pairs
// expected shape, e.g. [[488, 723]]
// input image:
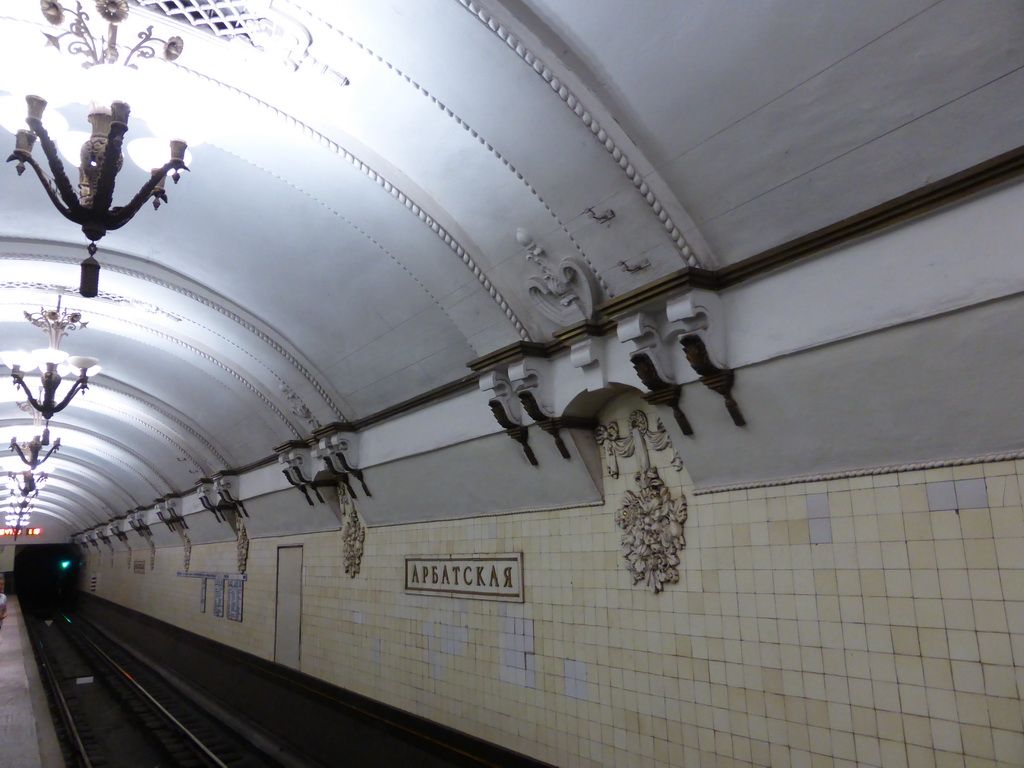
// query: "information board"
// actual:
[[235, 590], [218, 597]]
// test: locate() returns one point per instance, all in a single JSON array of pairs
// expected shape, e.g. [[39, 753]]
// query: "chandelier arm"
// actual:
[[121, 216], [80, 385], [105, 187], [54, 448], [48, 186], [20, 381], [17, 448], [142, 48], [80, 28], [60, 176]]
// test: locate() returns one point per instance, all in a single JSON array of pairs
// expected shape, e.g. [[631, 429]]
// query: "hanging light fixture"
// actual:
[[56, 324], [26, 484], [29, 452], [101, 156], [18, 515]]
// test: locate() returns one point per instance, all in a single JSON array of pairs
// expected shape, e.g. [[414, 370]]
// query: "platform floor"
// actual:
[[27, 738]]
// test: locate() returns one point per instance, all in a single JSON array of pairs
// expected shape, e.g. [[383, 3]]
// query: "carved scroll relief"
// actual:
[[353, 536], [650, 518]]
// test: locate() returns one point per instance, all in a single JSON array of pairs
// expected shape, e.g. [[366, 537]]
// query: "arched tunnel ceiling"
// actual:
[[346, 238]]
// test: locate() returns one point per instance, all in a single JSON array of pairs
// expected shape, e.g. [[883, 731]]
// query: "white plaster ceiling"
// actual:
[[345, 248]]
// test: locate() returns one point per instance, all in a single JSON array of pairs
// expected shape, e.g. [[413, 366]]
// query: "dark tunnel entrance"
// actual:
[[45, 577]]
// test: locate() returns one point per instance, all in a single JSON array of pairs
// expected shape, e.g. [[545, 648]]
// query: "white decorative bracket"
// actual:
[[168, 515], [506, 409], [650, 359], [532, 389], [137, 522], [696, 318], [116, 529], [340, 454], [292, 457]]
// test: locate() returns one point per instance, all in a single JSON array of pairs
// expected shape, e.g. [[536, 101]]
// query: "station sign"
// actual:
[[484, 577]]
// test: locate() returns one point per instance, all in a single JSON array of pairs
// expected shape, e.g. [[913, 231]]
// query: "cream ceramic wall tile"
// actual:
[[893, 638]]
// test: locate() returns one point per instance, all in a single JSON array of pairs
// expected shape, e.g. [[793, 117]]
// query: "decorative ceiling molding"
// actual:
[[355, 227], [462, 123], [572, 102], [381, 181], [106, 296], [210, 358], [53, 512], [152, 405], [102, 439], [127, 416], [74, 497], [195, 297], [89, 468]]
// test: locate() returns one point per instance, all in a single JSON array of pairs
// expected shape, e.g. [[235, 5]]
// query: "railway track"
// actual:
[[113, 711]]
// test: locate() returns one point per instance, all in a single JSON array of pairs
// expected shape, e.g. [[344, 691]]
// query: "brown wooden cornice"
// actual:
[[569, 335], [924, 200], [291, 444], [614, 309], [510, 354], [335, 426]]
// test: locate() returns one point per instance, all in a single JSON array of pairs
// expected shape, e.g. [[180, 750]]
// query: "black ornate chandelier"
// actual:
[[101, 158], [56, 324], [29, 452]]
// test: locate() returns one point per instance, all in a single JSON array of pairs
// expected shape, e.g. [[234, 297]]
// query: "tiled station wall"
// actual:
[[865, 621]]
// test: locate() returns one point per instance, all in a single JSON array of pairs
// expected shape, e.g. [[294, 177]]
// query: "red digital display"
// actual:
[[24, 531]]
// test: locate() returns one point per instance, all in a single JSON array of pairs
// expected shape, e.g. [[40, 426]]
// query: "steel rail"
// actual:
[[67, 719], [214, 760]]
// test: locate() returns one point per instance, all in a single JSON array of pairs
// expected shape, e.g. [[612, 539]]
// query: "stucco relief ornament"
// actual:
[[565, 294], [352, 537], [650, 518], [613, 445], [188, 550], [243, 546], [152, 554]]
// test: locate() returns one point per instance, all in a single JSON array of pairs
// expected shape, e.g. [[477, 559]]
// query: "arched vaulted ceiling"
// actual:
[[347, 237]]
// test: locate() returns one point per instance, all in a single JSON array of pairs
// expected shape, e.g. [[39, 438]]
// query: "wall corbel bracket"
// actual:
[[167, 515], [301, 483], [119, 534], [716, 379], [223, 488], [339, 452], [505, 408], [516, 431], [138, 524], [660, 392]]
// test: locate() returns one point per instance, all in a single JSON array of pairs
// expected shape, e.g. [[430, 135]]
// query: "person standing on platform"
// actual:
[[3, 601]]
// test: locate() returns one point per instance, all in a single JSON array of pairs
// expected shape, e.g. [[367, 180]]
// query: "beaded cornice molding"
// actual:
[[125, 415], [97, 470], [384, 183], [355, 227], [133, 469], [886, 469], [226, 368], [251, 328], [572, 101], [464, 125]]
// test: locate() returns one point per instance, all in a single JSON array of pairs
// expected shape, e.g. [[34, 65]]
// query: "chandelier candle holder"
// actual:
[[101, 160], [47, 361], [29, 452], [56, 324], [26, 484]]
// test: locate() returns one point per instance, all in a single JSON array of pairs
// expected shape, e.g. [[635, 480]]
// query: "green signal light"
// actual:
[[65, 564]]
